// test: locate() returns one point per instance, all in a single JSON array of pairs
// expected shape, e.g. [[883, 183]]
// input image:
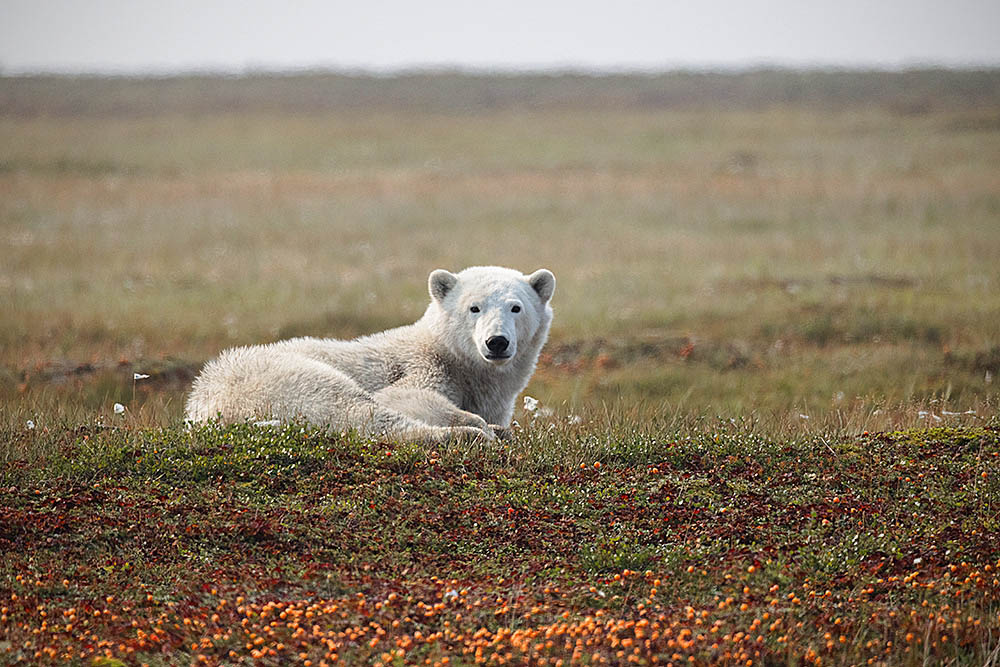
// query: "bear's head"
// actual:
[[489, 313]]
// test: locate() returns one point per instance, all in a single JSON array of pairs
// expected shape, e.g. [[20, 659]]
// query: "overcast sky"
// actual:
[[169, 35]]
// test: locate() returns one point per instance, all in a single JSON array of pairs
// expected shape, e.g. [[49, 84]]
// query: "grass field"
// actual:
[[603, 543], [785, 260], [773, 370]]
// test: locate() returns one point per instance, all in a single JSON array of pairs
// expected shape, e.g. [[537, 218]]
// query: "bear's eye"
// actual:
[[515, 309], [474, 309]]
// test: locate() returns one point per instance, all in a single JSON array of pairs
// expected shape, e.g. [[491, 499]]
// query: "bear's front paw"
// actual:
[[501, 432], [471, 434]]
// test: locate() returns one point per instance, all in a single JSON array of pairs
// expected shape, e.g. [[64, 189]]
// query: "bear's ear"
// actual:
[[544, 283], [440, 283]]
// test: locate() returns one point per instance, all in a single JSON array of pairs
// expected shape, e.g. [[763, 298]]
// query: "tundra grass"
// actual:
[[599, 544], [788, 260], [767, 430]]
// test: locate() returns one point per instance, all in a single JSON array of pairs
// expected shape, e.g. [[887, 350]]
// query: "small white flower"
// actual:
[[530, 404], [30, 424], [802, 416], [139, 376], [119, 408], [918, 561], [268, 422], [575, 419]]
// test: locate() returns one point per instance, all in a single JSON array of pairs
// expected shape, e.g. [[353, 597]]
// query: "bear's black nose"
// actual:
[[497, 344]]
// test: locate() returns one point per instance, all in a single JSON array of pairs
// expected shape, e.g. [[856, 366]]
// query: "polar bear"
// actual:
[[455, 373]]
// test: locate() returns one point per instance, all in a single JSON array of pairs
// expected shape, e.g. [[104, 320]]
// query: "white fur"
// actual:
[[432, 380]]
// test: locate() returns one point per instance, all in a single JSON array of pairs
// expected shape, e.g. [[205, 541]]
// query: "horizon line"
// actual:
[[360, 71]]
